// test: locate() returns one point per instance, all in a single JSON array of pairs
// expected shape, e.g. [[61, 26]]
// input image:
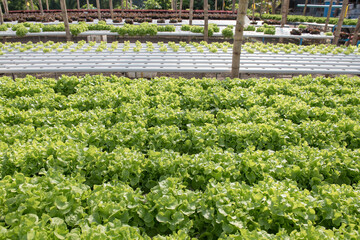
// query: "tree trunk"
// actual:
[[65, 18], [126, 4], [206, 21], [41, 7], [1, 16], [78, 4], [191, 12], [233, 6], [223, 5], [328, 16], [284, 12], [340, 22], [175, 5], [260, 11], [111, 9], [130, 4], [304, 12], [180, 8], [87, 4], [215, 7], [273, 6], [238, 38], [98, 9], [32, 5], [356, 33], [47, 4]]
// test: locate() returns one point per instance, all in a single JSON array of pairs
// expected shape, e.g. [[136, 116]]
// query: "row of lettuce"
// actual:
[[22, 29], [214, 47], [110, 157]]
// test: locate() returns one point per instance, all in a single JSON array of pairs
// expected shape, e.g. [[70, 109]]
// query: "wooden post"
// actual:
[[126, 4], [304, 11], [47, 4], [130, 4], [98, 9], [336, 11], [340, 22], [32, 5], [6, 8], [328, 16], [191, 12], [284, 11], [273, 6], [78, 4], [41, 8], [1, 16], [111, 9], [65, 18], [260, 10], [87, 4], [238, 38], [180, 8], [356, 32], [206, 20], [253, 10], [215, 7]]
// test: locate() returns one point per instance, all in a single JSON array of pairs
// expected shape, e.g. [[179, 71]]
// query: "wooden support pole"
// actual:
[[356, 32], [98, 9], [180, 8], [206, 20], [284, 11], [1, 16], [32, 5], [111, 9], [41, 8], [328, 16], [304, 11], [340, 22], [191, 12], [66, 20], [238, 38]]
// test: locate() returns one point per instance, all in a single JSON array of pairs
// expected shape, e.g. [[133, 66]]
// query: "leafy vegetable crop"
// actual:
[[115, 158]]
